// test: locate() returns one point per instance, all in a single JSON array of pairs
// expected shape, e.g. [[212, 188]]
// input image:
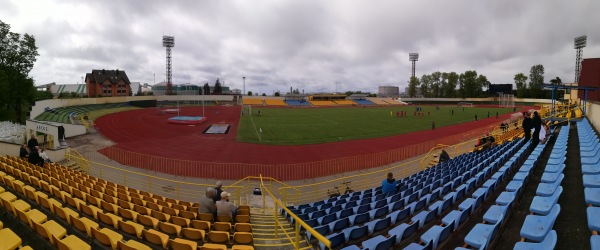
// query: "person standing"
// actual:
[[475, 117], [432, 125], [444, 156], [527, 124], [32, 143], [537, 126], [218, 191], [207, 204]]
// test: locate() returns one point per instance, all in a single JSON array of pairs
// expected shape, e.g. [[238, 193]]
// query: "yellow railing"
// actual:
[[297, 221], [72, 155], [428, 158]]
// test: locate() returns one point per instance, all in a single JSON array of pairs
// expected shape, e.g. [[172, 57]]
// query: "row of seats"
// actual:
[[120, 216], [384, 213], [483, 233], [252, 101], [437, 234], [589, 146]]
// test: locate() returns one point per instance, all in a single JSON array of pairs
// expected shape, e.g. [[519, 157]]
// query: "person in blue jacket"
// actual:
[[388, 185]]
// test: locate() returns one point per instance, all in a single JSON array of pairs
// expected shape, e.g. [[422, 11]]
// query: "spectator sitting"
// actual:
[[225, 207], [207, 205], [44, 156], [34, 156], [23, 151], [444, 156], [218, 191], [388, 185]]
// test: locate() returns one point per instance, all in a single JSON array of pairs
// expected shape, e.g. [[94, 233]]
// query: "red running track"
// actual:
[[147, 132]]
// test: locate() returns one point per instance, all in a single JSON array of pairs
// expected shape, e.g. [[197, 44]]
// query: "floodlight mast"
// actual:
[[580, 43], [169, 42], [413, 57]]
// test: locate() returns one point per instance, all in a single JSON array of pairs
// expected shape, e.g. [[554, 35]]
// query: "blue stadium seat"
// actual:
[[323, 230], [471, 203], [355, 232], [424, 217], [396, 205], [506, 198], [378, 213], [362, 209], [591, 180], [403, 231], [593, 217], [547, 189], [590, 169], [338, 225], [436, 235], [456, 217], [548, 243], [337, 240], [345, 213], [592, 196], [415, 246], [358, 218], [481, 235], [595, 242], [554, 168], [549, 177], [514, 186], [399, 215], [327, 219], [379, 243], [379, 225], [536, 227], [543, 204], [351, 247], [496, 213]]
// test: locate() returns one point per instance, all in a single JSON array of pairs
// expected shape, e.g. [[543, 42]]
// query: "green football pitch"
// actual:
[[297, 126]]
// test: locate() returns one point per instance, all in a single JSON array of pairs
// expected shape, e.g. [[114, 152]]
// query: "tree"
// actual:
[[556, 81], [206, 89], [412, 86], [521, 84], [451, 81], [43, 95], [425, 84], [436, 84], [277, 93], [470, 84], [263, 94], [218, 89], [249, 93], [481, 82], [17, 57], [536, 79]]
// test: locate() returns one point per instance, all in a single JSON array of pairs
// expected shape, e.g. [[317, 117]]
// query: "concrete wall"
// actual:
[[13, 150], [39, 106], [593, 114], [71, 129], [488, 99]]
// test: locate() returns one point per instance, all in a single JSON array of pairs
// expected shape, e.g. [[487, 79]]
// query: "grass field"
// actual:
[[297, 126]]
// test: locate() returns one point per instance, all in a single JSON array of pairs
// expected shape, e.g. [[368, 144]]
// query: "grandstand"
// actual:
[[297, 103], [252, 101], [344, 102], [63, 114], [275, 102], [364, 102], [378, 101], [323, 103]]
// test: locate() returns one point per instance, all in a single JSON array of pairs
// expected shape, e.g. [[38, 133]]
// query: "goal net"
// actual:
[[465, 104], [506, 101], [246, 110]]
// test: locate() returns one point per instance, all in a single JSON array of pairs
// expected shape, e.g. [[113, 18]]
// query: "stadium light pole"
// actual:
[[413, 57], [580, 43], [244, 80], [169, 42]]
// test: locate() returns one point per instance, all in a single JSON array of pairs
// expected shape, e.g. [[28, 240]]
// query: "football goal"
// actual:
[[506, 100], [465, 104]]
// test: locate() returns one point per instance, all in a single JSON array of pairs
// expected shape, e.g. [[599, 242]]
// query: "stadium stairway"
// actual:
[[263, 230]]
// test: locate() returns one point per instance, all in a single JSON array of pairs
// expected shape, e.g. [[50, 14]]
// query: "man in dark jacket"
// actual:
[[23, 151], [32, 143], [536, 125], [527, 125], [34, 157], [218, 192], [388, 185]]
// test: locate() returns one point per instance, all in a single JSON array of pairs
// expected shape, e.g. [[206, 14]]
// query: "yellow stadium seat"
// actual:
[[66, 213], [74, 202], [49, 203], [183, 222], [107, 237], [142, 210], [243, 212], [188, 215], [193, 234], [79, 194], [242, 219], [109, 207], [125, 204], [218, 237], [243, 238], [20, 205], [243, 227], [200, 224], [169, 228], [222, 226], [8, 196], [132, 245], [242, 247], [148, 221], [1, 225], [154, 206], [160, 216], [131, 227], [244, 207], [170, 211], [71, 242], [181, 244], [127, 214], [50, 228], [90, 210], [110, 219], [85, 225], [224, 218], [156, 237], [18, 185], [9, 240], [208, 246]]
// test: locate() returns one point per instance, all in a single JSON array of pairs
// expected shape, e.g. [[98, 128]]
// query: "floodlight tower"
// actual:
[[580, 43], [169, 42], [413, 57]]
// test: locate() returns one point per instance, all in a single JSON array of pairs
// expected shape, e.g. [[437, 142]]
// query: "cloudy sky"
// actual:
[[307, 44]]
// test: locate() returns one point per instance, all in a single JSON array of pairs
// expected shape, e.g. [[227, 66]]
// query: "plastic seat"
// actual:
[[376, 226], [423, 218], [403, 231], [208, 246], [542, 205], [32, 215], [132, 245], [437, 234], [379, 242], [160, 216], [481, 235], [90, 210], [148, 221], [359, 218], [193, 234], [188, 215], [10, 240], [590, 169], [50, 228], [548, 189], [218, 237], [206, 217], [505, 198], [514, 186], [536, 227], [591, 180], [558, 168], [127, 214], [156, 237], [495, 213], [107, 237], [549, 242], [203, 225], [378, 213], [592, 196], [323, 230], [338, 225], [181, 244], [595, 242], [222, 226], [71, 242], [593, 218], [456, 217], [243, 238], [131, 228], [169, 228], [355, 233], [471, 203], [336, 240]]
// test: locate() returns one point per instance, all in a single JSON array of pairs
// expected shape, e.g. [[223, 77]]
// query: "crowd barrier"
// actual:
[[283, 172]]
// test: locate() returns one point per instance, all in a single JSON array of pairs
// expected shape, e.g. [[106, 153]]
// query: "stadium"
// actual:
[[104, 164]]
